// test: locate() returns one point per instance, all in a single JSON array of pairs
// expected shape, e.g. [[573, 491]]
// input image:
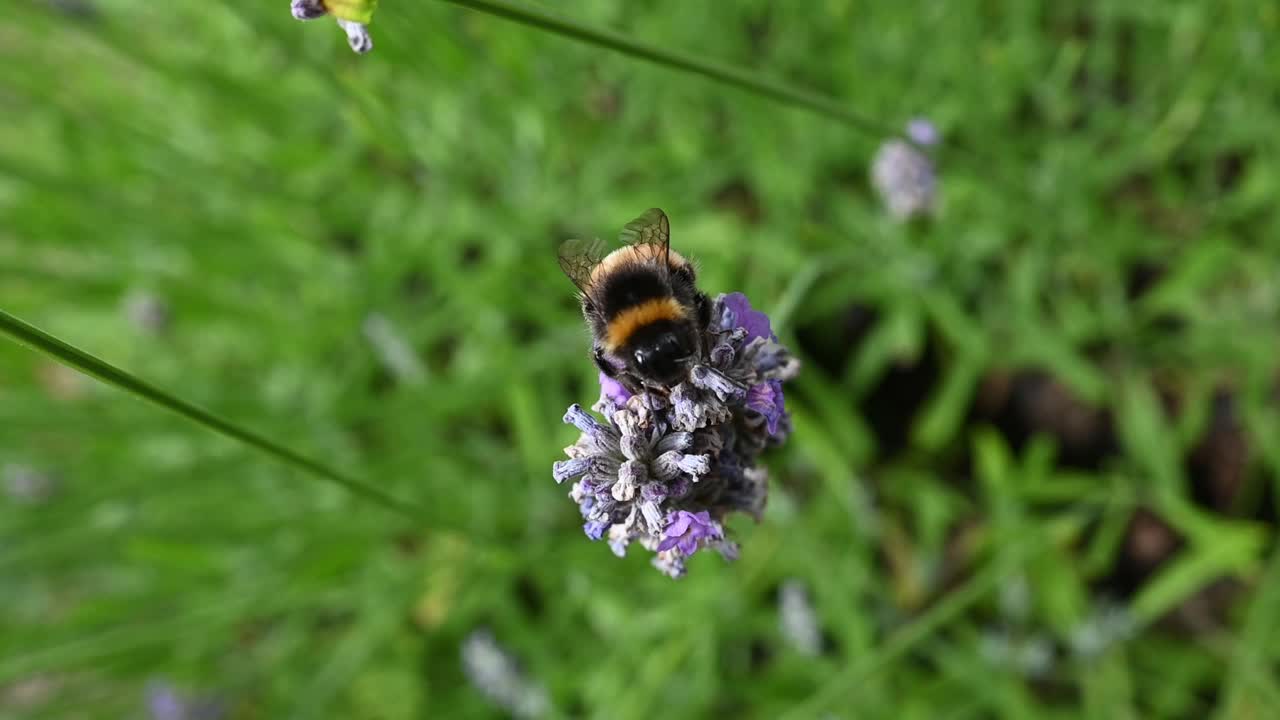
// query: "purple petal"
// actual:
[[614, 390], [766, 398], [668, 544], [754, 322], [679, 523], [595, 529]]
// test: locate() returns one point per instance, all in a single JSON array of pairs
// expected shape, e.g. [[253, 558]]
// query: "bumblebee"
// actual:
[[646, 314]]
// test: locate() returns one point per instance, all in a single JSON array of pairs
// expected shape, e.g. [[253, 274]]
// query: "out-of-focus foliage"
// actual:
[[1034, 472]]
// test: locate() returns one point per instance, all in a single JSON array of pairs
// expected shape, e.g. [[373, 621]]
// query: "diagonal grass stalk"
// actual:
[[729, 75], [787, 94], [78, 359]]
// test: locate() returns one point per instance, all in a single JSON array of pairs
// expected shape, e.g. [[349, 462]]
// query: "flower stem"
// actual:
[[76, 358], [788, 94]]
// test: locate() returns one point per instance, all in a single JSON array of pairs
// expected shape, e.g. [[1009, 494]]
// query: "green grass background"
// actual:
[[274, 190]]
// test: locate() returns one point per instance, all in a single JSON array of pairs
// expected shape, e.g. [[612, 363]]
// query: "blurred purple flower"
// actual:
[[27, 484], [741, 315], [147, 312], [685, 531], [165, 702], [903, 174], [904, 178], [922, 132], [766, 399]]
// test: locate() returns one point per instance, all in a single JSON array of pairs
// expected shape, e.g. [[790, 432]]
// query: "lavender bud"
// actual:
[[634, 447], [630, 477], [618, 540], [357, 35], [677, 441], [566, 469], [595, 529], [725, 388], [652, 515], [679, 487], [692, 410], [589, 426], [722, 355], [695, 465], [654, 492], [668, 467], [308, 9]]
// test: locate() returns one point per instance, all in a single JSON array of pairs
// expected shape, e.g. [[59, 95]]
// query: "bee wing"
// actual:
[[578, 258], [651, 228]]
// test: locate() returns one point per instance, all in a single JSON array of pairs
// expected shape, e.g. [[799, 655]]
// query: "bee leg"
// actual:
[[602, 362], [702, 305]]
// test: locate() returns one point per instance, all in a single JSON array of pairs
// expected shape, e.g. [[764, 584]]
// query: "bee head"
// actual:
[[662, 355]]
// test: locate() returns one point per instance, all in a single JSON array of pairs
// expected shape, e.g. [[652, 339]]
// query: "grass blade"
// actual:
[[600, 37], [74, 357]]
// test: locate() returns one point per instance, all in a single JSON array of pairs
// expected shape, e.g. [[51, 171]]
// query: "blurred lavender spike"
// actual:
[[495, 673], [27, 484], [393, 350], [798, 622], [147, 312], [905, 180], [165, 702]]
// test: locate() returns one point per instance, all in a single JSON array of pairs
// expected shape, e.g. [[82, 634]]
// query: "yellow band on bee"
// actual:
[[622, 327]]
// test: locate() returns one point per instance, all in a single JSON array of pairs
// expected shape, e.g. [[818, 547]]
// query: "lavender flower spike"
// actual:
[[353, 16], [904, 175], [665, 466]]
